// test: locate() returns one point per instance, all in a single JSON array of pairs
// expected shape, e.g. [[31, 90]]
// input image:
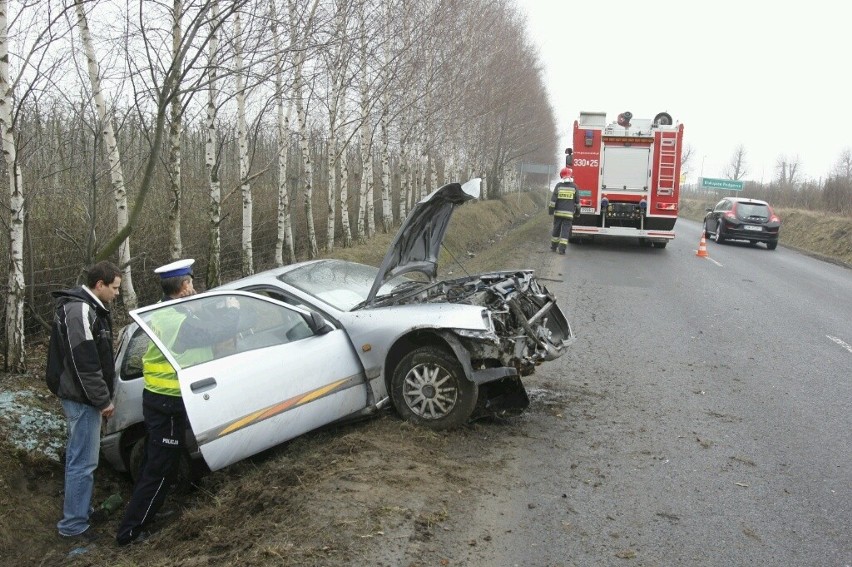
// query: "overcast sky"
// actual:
[[772, 76]]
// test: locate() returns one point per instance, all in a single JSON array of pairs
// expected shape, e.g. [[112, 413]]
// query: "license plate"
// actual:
[[753, 227], [584, 210]]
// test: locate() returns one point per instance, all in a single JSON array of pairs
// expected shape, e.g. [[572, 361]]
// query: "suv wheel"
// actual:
[[717, 236]]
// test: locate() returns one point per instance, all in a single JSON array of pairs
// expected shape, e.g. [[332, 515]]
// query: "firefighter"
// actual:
[[563, 204]]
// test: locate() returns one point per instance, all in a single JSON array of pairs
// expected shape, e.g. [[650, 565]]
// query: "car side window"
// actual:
[[214, 327], [131, 365], [720, 206]]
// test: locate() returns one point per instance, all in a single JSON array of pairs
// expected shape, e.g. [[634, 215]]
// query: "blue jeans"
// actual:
[[81, 460]]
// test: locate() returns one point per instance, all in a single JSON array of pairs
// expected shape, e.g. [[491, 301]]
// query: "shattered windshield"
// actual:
[[341, 284]]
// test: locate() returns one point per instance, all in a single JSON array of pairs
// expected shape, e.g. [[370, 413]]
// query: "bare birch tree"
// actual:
[[242, 141], [175, 131], [344, 181], [116, 171], [365, 225], [299, 48], [35, 69], [211, 155], [284, 238], [338, 55], [15, 353]]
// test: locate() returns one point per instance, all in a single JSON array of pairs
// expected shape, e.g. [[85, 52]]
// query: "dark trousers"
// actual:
[[561, 232], [165, 424]]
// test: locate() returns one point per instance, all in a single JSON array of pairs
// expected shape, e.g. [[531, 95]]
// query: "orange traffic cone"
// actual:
[[702, 247]]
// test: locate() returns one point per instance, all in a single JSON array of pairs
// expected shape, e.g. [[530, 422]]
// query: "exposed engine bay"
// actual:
[[528, 326]]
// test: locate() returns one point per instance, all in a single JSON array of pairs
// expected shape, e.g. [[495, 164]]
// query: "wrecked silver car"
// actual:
[[327, 340]]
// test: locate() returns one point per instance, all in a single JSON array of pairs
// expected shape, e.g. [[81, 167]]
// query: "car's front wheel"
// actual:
[[772, 244], [429, 388]]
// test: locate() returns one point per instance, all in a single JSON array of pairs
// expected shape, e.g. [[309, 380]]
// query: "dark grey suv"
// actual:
[[736, 218]]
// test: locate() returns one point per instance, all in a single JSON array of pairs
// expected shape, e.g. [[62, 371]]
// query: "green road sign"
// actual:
[[730, 184]]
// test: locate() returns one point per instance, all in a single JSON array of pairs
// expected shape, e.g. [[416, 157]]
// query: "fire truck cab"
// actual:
[[628, 174]]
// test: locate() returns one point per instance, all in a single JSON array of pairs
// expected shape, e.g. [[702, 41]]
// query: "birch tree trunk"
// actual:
[[242, 137], [301, 120], [128, 293], [338, 76], [214, 212], [14, 351], [175, 130], [284, 239], [387, 207], [331, 168], [365, 223], [405, 181], [344, 182], [285, 222]]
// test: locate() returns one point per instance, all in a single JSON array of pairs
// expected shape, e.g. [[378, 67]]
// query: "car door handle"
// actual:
[[202, 385]]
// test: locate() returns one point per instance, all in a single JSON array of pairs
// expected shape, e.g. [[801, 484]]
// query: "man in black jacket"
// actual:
[[80, 371], [564, 202]]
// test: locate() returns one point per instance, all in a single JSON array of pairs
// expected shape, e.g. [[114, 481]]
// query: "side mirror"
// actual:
[[317, 324], [708, 210]]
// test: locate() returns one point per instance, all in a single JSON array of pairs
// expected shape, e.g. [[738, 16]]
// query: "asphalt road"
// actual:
[[702, 417]]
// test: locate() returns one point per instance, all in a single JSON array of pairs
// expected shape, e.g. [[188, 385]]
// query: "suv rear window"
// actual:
[[747, 210]]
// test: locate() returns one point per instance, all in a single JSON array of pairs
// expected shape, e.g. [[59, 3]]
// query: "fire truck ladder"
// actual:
[[667, 164]]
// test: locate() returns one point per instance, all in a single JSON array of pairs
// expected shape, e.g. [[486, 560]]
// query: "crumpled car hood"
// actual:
[[416, 246]]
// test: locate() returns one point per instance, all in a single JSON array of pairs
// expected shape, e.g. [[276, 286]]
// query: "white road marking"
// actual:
[[841, 342]]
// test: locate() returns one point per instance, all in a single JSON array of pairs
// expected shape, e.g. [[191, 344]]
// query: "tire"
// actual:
[[429, 388], [717, 236], [659, 244], [136, 457], [772, 245]]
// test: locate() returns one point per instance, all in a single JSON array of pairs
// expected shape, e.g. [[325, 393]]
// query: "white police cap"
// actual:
[[175, 269]]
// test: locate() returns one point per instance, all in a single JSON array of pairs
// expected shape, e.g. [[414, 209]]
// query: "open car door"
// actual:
[[254, 372]]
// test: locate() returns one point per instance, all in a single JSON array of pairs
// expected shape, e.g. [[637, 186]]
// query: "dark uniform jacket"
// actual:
[[80, 363], [565, 199]]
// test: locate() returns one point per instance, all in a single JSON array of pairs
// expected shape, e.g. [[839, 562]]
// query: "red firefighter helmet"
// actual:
[[566, 172]]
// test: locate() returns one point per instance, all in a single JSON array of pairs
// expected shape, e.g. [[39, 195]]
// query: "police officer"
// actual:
[[162, 409], [563, 203]]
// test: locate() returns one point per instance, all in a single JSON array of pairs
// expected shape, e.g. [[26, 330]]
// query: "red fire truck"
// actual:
[[628, 174]]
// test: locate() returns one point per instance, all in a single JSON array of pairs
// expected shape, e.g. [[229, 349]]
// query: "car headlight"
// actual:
[[486, 318], [479, 335]]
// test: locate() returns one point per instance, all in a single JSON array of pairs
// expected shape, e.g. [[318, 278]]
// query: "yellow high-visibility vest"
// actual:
[[159, 375]]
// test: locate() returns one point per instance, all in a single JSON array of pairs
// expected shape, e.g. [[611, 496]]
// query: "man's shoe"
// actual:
[[99, 516], [83, 538]]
